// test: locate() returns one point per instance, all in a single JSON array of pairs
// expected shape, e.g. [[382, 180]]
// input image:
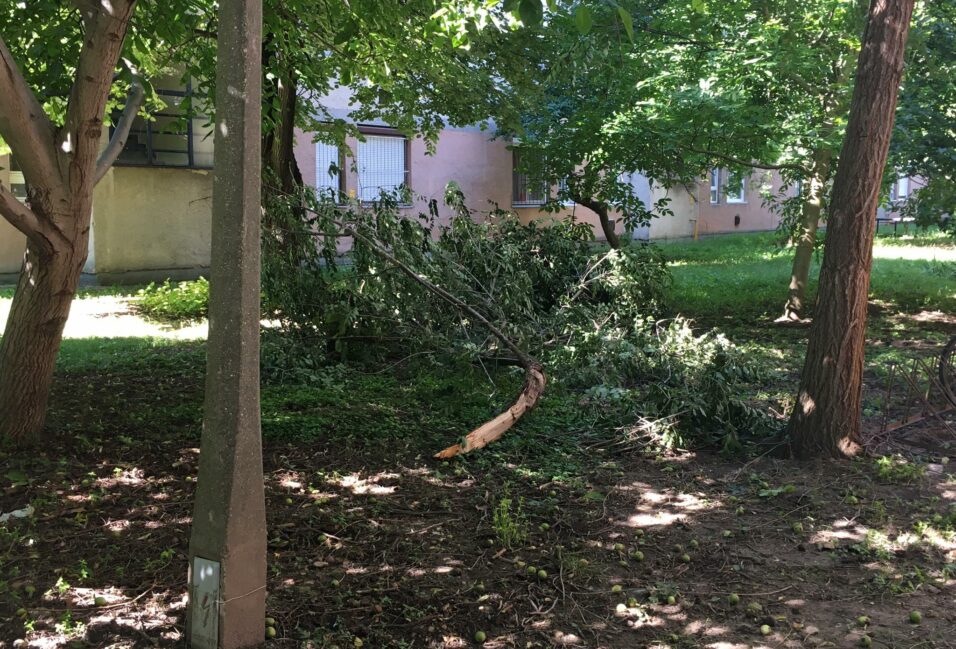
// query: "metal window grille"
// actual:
[[328, 175], [525, 191], [172, 138], [382, 166]]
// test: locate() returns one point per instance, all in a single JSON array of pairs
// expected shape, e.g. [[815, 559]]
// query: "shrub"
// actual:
[[177, 302]]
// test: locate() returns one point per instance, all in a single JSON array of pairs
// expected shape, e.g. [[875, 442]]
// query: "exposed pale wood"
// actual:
[[535, 378], [491, 430]]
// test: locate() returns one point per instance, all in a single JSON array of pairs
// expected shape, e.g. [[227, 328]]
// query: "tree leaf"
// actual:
[[627, 21], [531, 12], [583, 19]]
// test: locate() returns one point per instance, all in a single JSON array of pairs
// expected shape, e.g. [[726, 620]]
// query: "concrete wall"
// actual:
[[151, 223], [12, 243], [683, 204]]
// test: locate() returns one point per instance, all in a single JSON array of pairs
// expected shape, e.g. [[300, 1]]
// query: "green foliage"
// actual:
[[510, 523], [168, 301], [898, 470], [589, 314]]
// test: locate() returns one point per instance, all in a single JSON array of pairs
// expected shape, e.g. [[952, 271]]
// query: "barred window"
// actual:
[[173, 137], [525, 191]]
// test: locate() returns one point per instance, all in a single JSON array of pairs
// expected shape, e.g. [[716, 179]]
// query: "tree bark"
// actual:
[[794, 309], [607, 225], [32, 338], [60, 168], [826, 418]]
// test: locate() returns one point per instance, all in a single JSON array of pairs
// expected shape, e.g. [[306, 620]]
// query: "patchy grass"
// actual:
[[563, 533]]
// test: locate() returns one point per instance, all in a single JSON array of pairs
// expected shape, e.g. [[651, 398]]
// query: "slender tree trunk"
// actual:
[[826, 418], [607, 225], [794, 310]]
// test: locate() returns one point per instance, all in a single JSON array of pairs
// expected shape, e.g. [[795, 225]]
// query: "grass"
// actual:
[[739, 277]]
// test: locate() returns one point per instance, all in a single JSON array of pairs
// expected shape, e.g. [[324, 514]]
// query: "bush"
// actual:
[[176, 302], [588, 313]]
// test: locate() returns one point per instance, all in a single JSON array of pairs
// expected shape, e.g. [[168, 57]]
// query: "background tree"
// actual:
[[826, 418]]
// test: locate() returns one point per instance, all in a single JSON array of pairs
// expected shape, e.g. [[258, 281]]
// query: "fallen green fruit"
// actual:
[[270, 632], [542, 574], [637, 555], [99, 600], [798, 527], [616, 588], [270, 621], [916, 617], [671, 600], [863, 620], [685, 558], [866, 641], [765, 629], [734, 599], [480, 636], [619, 547]]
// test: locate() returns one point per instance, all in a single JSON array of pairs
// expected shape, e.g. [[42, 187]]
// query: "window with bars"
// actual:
[[714, 186], [172, 137], [382, 165], [525, 191], [328, 173]]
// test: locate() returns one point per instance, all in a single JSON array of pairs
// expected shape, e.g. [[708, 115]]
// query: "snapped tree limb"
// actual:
[[535, 378]]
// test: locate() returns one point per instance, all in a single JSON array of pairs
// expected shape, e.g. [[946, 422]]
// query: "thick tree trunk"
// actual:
[[32, 336], [794, 309], [826, 418]]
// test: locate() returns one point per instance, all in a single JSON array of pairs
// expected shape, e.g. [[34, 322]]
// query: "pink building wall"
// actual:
[[754, 215], [482, 167]]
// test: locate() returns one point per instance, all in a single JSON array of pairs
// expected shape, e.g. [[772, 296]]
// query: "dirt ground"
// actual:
[[392, 549], [679, 551]]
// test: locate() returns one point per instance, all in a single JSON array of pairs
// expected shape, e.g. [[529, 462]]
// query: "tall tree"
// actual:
[[61, 163], [826, 418]]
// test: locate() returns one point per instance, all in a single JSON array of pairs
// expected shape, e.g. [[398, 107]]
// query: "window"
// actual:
[[736, 191], [714, 186], [900, 190], [524, 191], [382, 165], [328, 174], [18, 185], [172, 138]]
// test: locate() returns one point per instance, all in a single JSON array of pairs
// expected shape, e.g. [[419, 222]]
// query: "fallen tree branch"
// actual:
[[535, 378]]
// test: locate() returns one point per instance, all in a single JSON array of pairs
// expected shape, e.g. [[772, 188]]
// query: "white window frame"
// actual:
[[741, 196], [902, 188], [369, 193], [714, 186]]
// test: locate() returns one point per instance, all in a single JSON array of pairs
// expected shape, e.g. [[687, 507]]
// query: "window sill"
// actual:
[[522, 205], [733, 202]]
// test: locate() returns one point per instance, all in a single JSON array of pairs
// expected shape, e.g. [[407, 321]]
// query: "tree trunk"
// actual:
[[60, 166], [32, 336], [607, 225], [826, 418], [794, 310]]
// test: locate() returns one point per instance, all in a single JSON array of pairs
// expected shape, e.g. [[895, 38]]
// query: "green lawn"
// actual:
[[738, 277]]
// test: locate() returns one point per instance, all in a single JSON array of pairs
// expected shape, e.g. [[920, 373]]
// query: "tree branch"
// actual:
[[24, 125], [753, 165], [105, 28], [133, 101], [39, 232]]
